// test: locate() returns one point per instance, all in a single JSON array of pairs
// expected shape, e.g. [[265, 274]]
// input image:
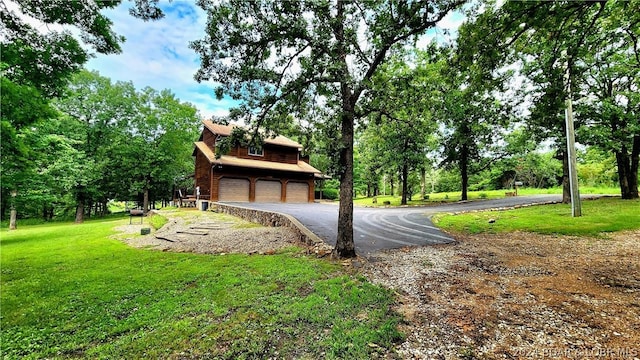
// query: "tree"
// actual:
[[36, 66], [280, 57], [400, 124], [474, 119], [100, 112], [160, 142], [609, 86], [128, 142], [550, 39]]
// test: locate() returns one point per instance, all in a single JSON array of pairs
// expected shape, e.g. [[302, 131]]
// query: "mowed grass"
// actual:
[[68, 291], [436, 198], [598, 217]]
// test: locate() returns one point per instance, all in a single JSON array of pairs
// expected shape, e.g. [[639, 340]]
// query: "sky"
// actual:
[[157, 53]]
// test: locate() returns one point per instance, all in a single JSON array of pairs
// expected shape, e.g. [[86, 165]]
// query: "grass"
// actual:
[[435, 198], [157, 221], [598, 217], [69, 291]]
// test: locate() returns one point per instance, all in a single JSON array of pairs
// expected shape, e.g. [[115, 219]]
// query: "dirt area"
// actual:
[[517, 296], [208, 233]]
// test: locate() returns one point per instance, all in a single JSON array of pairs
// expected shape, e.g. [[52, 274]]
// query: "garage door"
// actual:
[[268, 191], [233, 189], [297, 192]]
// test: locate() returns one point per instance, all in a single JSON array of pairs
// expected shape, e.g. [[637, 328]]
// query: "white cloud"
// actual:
[[157, 54]]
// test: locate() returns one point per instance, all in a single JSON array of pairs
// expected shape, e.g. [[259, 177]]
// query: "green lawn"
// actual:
[[435, 198], [68, 291], [599, 216]]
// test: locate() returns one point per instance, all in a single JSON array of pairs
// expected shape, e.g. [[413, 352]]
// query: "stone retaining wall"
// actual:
[[269, 218]]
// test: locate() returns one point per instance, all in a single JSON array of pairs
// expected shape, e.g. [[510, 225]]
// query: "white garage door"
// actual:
[[297, 192], [268, 191], [233, 189]]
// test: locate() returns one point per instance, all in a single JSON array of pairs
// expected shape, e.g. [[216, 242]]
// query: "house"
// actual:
[[275, 172]]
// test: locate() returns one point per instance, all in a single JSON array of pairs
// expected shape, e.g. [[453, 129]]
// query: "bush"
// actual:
[[328, 194]]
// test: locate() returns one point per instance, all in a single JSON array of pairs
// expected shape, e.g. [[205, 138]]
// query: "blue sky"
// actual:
[[157, 53]]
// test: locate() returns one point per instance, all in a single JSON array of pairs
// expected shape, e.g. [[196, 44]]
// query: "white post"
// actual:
[[576, 207]]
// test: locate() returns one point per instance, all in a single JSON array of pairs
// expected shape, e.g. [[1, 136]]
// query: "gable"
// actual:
[[226, 160], [225, 130]]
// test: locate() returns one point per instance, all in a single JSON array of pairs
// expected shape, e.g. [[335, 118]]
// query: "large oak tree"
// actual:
[[280, 57]]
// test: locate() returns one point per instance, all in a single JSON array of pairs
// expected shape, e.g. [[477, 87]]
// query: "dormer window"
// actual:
[[256, 151]]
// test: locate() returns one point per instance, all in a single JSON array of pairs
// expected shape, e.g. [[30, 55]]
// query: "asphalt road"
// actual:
[[387, 228]]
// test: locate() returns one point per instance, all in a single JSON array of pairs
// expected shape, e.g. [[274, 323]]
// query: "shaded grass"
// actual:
[[70, 292], [598, 217], [436, 198]]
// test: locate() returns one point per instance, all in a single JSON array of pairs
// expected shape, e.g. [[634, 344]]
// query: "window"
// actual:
[[256, 151]]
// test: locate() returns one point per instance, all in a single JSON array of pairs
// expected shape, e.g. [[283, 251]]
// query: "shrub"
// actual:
[[329, 194]]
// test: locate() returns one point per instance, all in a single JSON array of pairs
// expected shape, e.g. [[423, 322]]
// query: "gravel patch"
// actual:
[[209, 233], [517, 296]]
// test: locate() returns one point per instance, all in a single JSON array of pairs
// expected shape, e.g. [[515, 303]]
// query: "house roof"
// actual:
[[225, 130], [227, 160]]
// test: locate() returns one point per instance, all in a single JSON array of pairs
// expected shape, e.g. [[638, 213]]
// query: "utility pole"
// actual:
[[576, 206]]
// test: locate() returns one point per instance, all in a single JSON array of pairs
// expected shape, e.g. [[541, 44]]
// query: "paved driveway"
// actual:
[[387, 228]]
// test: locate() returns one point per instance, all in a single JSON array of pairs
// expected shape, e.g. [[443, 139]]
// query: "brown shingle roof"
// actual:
[[225, 130], [301, 166]]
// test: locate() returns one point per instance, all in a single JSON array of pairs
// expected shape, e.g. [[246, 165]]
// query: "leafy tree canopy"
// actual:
[[284, 58]]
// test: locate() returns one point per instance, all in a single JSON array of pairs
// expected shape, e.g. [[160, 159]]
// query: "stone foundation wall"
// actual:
[[269, 218]]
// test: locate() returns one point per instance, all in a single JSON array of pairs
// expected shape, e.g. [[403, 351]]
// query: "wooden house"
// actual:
[[275, 172]]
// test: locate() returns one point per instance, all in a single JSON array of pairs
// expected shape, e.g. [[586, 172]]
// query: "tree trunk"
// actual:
[[635, 162], [566, 186], [628, 170], [49, 212], [345, 247], [145, 201], [13, 218], [391, 183], [80, 209], [464, 170], [405, 182]]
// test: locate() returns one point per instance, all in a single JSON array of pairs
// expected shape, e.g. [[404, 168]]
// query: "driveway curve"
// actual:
[[376, 229]]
